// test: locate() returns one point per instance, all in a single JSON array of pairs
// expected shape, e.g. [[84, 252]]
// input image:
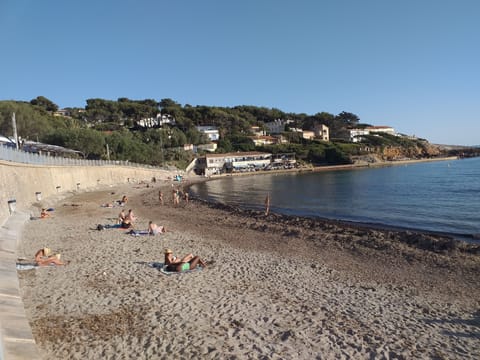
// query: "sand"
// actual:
[[275, 287]]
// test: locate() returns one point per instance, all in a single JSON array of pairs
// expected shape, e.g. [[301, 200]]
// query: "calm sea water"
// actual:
[[442, 196]]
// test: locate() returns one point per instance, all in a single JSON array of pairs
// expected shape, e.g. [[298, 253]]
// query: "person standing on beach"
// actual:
[[160, 197], [267, 205], [175, 196]]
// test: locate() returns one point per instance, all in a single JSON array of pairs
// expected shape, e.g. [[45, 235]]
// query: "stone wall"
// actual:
[[21, 182]]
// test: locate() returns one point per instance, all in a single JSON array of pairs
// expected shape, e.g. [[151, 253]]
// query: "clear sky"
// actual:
[[410, 64]]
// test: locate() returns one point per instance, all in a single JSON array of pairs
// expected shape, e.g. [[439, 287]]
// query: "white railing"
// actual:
[[9, 154]]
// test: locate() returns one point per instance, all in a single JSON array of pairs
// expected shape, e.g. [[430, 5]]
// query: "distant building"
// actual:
[[381, 129], [322, 132], [277, 126], [210, 147], [63, 112], [212, 164], [307, 134], [256, 130], [5, 141], [357, 134], [264, 140], [210, 131], [157, 121]]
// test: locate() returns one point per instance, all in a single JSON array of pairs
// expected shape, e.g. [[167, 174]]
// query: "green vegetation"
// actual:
[[107, 129]]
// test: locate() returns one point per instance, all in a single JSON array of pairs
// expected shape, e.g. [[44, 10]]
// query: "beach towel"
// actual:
[[31, 266], [107, 226], [26, 266], [160, 266], [137, 232]]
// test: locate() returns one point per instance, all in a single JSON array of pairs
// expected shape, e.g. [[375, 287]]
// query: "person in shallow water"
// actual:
[[188, 262]]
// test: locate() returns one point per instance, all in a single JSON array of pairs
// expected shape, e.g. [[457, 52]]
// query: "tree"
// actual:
[[44, 103], [242, 143], [90, 142], [347, 119]]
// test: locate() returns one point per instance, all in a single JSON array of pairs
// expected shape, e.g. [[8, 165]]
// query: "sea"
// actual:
[[439, 196]]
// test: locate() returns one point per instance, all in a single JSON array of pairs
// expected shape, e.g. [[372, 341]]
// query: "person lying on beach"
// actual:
[[154, 229], [188, 262], [44, 214], [43, 257], [124, 200]]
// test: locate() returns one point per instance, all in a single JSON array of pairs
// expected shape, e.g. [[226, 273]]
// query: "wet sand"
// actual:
[[276, 287]]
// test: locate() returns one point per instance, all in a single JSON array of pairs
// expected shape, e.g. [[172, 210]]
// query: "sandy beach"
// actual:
[[275, 287]]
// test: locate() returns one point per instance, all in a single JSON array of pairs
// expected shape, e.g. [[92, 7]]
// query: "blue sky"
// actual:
[[411, 64]]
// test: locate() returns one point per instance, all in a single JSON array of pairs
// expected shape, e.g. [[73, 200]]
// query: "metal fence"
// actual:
[[18, 156]]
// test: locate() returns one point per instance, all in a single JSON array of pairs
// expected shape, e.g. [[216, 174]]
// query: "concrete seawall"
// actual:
[[19, 184]]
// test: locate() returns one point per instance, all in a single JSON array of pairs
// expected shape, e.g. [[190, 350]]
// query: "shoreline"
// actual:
[[337, 167], [427, 240], [462, 237], [470, 239], [274, 287]]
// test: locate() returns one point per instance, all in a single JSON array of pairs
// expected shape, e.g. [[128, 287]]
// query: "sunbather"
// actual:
[[129, 221], [188, 262], [44, 214], [121, 216], [43, 257], [154, 229]]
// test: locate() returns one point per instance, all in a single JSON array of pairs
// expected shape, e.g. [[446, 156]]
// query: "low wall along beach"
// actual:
[[21, 186]]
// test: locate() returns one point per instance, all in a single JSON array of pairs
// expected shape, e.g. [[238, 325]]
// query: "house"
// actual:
[[257, 130], [212, 164], [322, 132], [263, 140], [158, 121], [62, 112], [210, 131], [307, 134], [210, 147], [5, 141], [381, 129], [356, 134], [277, 126]]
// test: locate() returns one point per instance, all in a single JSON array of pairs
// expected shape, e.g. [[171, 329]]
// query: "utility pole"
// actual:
[[14, 126]]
